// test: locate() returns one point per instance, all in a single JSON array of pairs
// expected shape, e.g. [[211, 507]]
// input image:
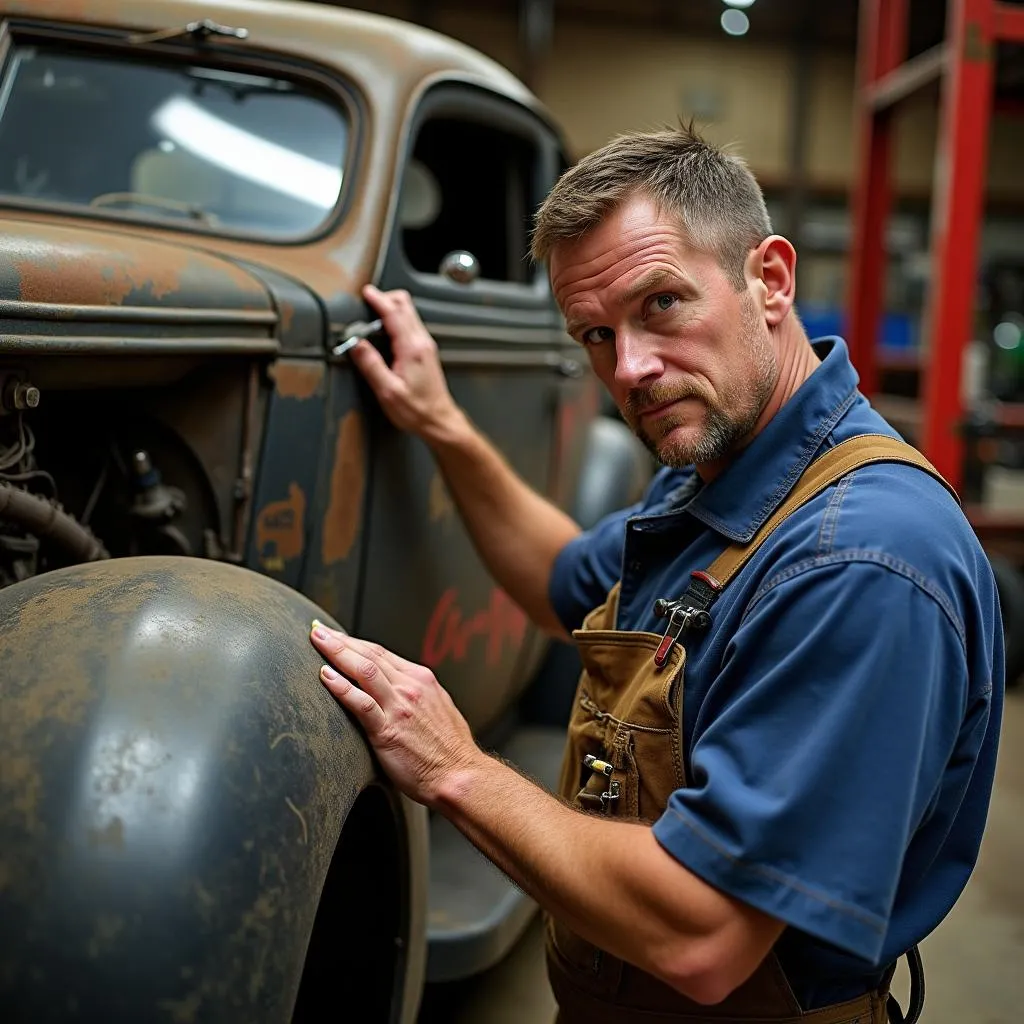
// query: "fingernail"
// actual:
[[317, 622], [328, 674], [320, 633]]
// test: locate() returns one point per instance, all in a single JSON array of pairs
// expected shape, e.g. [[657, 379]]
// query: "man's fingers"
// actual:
[[366, 710], [396, 309], [377, 653], [364, 647], [373, 367], [365, 669]]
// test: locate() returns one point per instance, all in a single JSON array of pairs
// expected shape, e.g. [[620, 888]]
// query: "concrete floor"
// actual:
[[974, 962]]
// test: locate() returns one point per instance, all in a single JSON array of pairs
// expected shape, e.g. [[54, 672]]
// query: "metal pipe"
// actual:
[[44, 519]]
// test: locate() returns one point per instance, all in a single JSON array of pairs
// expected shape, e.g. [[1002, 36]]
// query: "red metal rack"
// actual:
[[964, 62]]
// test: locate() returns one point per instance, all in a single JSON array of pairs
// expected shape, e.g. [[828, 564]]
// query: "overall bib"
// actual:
[[624, 758]]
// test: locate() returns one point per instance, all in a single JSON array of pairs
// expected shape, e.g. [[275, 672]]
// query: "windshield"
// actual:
[[227, 150]]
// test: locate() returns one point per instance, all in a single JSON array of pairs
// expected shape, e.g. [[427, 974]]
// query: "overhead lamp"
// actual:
[[735, 22], [1007, 334], [742, 4]]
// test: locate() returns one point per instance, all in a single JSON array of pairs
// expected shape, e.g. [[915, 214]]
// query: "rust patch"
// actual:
[[279, 527], [286, 314], [80, 274], [25, 786], [299, 380], [348, 482], [38, 706], [440, 504], [64, 265]]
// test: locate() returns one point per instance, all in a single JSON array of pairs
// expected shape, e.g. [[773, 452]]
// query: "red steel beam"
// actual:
[[882, 44], [1008, 23], [957, 209]]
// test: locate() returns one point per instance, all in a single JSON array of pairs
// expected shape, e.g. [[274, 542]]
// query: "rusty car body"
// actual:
[[192, 195]]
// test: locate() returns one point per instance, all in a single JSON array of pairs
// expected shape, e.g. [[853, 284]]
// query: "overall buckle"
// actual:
[[690, 612]]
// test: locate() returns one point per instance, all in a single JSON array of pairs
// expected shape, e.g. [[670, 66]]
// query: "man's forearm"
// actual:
[[611, 882], [517, 532]]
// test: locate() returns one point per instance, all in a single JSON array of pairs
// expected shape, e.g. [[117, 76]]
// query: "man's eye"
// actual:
[[662, 303], [598, 334]]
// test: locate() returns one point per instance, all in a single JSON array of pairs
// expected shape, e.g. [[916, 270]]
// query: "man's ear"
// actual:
[[773, 265]]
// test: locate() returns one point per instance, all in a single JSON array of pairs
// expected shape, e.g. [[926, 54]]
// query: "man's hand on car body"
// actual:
[[410, 720], [412, 391]]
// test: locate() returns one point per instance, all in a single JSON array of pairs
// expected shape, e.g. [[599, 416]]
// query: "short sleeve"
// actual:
[[587, 568], [821, 746]]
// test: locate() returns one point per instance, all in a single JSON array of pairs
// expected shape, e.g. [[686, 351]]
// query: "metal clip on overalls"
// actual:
[[594, 794]]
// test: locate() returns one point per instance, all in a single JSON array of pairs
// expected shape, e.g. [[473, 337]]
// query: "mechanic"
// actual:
[[765, 840]]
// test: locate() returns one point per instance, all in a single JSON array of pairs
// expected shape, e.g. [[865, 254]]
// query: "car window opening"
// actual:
[[470, 186]]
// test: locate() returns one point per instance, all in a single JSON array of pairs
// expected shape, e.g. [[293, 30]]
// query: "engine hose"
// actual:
[[46, 520]]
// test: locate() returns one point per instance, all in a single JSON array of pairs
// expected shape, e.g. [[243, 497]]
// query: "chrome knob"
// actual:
[[460, 266]]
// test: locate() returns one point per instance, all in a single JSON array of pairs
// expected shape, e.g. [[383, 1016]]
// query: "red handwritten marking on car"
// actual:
[[449, 636]]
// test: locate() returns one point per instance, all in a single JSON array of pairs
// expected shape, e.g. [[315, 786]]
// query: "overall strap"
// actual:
[[823, 472], [834, 464], [691, 612]]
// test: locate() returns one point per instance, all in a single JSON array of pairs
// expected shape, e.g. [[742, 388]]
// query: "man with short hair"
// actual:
[[783, 742]]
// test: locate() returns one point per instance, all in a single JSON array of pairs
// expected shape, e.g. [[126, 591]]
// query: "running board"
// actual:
[[476, 915]]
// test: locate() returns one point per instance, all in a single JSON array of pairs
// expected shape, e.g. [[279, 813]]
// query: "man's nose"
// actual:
[[636, 362]]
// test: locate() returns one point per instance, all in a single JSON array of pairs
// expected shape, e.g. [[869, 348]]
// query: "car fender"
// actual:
[[191, 828]]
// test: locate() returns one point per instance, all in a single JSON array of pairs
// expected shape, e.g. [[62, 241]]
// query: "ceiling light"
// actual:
[[1007, 335], [744, 4], [735, 22]]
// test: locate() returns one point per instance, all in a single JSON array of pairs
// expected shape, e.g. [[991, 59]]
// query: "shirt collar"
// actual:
[[738, 501]]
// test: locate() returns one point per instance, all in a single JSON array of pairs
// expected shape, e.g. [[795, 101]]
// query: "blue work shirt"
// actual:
[[841, 714]]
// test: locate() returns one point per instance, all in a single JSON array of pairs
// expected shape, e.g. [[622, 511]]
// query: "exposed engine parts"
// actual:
[[156, 505], [17, 395], [30, 514], [126, 500]]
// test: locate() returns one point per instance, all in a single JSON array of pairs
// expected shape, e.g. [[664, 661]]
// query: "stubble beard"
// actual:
[[728, 419]]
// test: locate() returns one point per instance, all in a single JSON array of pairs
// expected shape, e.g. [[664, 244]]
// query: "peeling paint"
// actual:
[[299, 380], [348, 483], [440, 505], [63, 265], [287, 314], [279, 529]]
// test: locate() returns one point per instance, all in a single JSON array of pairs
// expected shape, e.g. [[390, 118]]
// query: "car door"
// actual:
[[476, 167]]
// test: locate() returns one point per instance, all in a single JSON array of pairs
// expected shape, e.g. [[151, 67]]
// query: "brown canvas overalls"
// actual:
[[624, 758]]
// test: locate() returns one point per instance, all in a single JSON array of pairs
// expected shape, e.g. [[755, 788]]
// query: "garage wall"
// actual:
[[600, 80]]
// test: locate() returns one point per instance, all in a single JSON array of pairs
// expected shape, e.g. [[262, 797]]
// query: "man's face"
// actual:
[[687, 358]]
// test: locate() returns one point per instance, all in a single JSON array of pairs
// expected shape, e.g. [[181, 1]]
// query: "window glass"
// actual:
[[227, 150]]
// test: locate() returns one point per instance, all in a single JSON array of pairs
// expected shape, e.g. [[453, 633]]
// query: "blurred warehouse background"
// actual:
[[778, 80]]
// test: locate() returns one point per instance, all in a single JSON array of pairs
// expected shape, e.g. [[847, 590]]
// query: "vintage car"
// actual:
[[191, 197]]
